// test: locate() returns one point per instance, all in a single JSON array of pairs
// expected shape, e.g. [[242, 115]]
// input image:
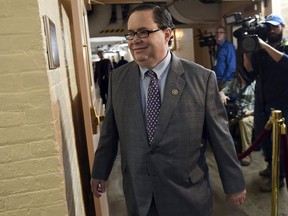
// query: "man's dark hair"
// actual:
[[161, 16]]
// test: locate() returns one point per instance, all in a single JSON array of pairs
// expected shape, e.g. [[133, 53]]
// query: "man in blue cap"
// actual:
[[269, 66]]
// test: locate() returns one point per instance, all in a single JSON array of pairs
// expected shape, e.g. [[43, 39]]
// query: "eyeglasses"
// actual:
[[140, 34], [221, 32]]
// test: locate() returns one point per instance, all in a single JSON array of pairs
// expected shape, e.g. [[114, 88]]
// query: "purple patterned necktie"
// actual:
[[153, 105]]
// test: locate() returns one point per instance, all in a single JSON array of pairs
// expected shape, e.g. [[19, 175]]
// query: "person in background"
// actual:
[[122, 61], [103, 67], [114, 63], [160, 107], [269, 66], [241, 91], [224, 58]]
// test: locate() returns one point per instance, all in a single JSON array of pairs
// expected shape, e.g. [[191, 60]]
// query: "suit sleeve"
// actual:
[[106, 151], [221, 141]]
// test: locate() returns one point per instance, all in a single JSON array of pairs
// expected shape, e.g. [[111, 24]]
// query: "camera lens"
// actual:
[[250, 43]]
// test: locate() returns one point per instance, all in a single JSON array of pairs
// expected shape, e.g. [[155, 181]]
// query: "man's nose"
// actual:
[[135, 39], [273, 28]]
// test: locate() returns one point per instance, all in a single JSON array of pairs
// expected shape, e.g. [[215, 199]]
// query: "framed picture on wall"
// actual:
[[51, 41]]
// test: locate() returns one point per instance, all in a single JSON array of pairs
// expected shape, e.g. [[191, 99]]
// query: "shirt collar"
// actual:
[[221, 42], [159, 68]]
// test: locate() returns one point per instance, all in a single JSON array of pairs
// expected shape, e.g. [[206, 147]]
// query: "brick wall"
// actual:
[[38, 176]]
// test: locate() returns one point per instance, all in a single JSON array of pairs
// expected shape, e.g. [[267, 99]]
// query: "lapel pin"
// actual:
[[174, 92]]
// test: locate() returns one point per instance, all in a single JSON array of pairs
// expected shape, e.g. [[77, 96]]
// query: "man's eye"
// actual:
[[142, 32]]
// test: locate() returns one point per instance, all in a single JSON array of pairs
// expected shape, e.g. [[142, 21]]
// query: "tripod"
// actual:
[[212, 52]]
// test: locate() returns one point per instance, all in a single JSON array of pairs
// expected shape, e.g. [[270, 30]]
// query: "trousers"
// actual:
[[246, 127], [153, 209]]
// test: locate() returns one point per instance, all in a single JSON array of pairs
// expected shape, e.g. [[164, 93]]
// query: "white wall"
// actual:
[[184, 43]]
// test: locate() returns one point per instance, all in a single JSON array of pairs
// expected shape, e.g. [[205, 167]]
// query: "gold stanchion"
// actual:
[[276, 121], [268, 124], [283, 128]]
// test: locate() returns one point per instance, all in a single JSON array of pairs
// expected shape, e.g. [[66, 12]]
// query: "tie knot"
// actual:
[[151, 74]]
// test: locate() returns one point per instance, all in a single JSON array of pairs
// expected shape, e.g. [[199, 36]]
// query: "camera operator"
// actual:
[[225, 58], [269, 66], [241, 92]]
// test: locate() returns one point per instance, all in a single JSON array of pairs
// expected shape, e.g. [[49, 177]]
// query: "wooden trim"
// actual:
[[83, 68]]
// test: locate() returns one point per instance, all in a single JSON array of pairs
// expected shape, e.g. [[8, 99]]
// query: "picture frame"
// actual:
[[51, 42]]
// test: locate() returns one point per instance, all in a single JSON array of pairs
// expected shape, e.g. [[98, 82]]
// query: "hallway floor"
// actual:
[[257, 203]]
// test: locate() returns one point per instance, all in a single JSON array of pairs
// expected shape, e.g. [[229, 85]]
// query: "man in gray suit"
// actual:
[[165, 173]]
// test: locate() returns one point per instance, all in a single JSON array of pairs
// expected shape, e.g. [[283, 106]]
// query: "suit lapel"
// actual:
[[173, 91], [133, 84]]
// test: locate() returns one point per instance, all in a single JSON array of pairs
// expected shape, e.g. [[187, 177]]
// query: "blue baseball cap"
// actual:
[[274, 20]]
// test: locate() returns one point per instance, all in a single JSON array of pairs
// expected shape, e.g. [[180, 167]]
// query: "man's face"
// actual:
[[149, 51], [220, 35], [101, 55], [276, 33]]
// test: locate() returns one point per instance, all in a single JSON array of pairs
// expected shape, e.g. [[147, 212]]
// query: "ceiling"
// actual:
[[107, 18], [147, 1]]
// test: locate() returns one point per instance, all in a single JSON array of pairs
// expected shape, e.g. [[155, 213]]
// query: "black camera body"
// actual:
[[206, 39], [247, 35]]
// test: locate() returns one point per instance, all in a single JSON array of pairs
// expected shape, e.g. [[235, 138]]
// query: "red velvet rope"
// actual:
[[284, 144], [254, 145]]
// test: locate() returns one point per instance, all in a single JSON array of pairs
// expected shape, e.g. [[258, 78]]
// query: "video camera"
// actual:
[[247, 35], [206, 39]]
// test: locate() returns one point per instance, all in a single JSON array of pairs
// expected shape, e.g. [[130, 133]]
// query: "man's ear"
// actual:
[[168, 33]]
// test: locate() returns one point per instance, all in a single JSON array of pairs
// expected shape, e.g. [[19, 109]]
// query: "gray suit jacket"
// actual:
[[173, 169]]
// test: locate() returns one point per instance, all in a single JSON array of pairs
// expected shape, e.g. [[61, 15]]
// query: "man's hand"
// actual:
[[223, 97], [262, 43], [275, 54], [237, 199], [248, 112], [97, 187]]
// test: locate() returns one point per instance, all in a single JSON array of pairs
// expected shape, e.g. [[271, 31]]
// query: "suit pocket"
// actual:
[[196, 175]]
